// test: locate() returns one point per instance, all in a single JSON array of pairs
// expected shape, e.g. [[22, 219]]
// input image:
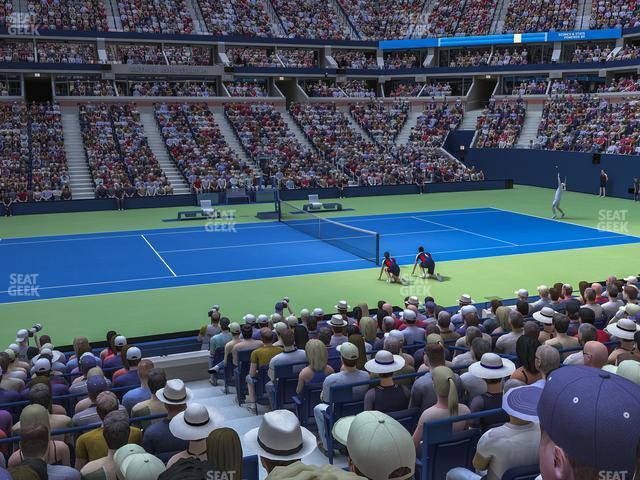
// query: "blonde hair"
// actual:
[[369, 328], [445, 386], [502, 316], [81, 345], [316, 355], [224, 450]]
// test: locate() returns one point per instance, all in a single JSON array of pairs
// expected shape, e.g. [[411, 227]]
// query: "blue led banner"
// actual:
[[503, 39]]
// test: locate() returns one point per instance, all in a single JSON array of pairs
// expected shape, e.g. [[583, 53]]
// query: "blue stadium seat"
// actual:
[[259, 385], [407, 418], [285, 383], [443, 449], [241, 372], [526, 472], [305, 402], [250, 468], [228, 373]]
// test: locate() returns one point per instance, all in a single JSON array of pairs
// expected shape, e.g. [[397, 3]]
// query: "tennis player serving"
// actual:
[[562, 186]]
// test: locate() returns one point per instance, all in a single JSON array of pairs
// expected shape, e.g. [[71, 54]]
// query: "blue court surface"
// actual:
[[100, 263]]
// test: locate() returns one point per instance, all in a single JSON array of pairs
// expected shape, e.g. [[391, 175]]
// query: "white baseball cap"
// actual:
[[249, 318], [378, 445], [21, 335], [522, 292], [134, 353], [318, 312], [262, 318], [120, 341], [42, 366], [409, 315]]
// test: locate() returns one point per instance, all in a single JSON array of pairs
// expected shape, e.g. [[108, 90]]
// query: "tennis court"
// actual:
[[100, 263]]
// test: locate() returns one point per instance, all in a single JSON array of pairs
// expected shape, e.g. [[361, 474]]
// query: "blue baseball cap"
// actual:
[[594, 416], [97, 384]]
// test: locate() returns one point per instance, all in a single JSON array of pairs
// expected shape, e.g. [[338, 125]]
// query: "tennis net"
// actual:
[[360, 242]]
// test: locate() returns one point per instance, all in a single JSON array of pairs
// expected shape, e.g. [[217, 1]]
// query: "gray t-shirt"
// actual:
[[413, 334], [611, 308], [342, 378], [597, 309], [285, 358], [507, 343]]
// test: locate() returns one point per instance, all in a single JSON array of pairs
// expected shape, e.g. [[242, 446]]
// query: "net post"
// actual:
[[276, 198], [377, 260]]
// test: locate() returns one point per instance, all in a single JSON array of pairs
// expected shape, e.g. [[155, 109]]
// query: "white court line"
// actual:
[[467, 231], [564, 221], [252, 245], [238, 226], [218, 272], [159, 256]]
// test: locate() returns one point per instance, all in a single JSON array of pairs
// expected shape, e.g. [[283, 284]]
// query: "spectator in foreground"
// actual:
[[379, 447], [446, 406], [513, 444], [194, 425], [116, 433], [492, 369], [317, 370], [526, 350], [158, 439], [34, 443], [613, 434], [153, 406], [91, 445], [280, 441], [423, 394], [141, 393], [624, 330], [348, 373], [387, 396]]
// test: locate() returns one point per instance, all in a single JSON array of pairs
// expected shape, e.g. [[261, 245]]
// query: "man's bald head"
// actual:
[[387, 307], [597, 287], [595, 354]]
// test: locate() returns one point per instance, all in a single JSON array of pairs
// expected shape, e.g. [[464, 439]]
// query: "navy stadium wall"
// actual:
[[537, 168]]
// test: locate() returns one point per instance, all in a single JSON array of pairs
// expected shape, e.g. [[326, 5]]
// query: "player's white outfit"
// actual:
[[555, 206]]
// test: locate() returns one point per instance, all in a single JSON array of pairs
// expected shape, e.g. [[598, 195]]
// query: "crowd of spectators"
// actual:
[[67, 52], [263, 132], [436, 89], [356, 59], [33, 166], [81, 15], [532, 373], [160, 16], [443, 19], [188, 55], [469, 58], [17, 51], [382, 123], [169, 89], [540, 16], [387, 19], [476, 17], [500, 123], [507, 56], [405, 89], [381, 161], [310, 19], [120, 160], [252, 57], [628, 52], [588, 123], [614, 14], [433, 125], [322, 88], [199, 150], [247, 18], [566, 86], [358, 88], [247, 88], [136, 54], [532, 87], [85, 88], [398, 60], [591, 53], [298, 57], [621, 84]]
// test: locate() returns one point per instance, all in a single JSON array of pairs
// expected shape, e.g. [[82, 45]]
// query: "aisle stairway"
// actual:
[[156, 142], [530, 127], [80, 181], [242, 420], [405, 131]]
